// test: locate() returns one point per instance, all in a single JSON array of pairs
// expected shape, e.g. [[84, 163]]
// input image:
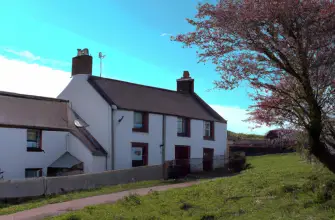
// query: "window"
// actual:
[[208, 130], [34, 140], [140, 122], [183, 127], [33, 172], [139, 154]]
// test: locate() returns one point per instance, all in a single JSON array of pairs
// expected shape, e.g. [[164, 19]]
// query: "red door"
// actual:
[[208, 159], [182, 157]]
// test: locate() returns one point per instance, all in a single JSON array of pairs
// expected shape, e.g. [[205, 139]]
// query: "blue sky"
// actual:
[[134, 35]]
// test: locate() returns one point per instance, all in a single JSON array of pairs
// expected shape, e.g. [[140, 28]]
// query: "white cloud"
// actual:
[[25, 54], [165, 34], [235, 117], [28, 56], [33, 79]]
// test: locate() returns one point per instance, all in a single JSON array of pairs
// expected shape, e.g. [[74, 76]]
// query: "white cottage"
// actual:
[[39, 138], [100, 124], [142, 125]]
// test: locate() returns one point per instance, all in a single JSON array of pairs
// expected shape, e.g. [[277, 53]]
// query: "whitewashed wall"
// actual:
[[82, 153], [92, 108], [97, 113], [14, 158], [124, 136]]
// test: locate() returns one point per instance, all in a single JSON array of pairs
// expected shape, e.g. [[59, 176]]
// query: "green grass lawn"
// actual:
[[8, 209], [276, 187]]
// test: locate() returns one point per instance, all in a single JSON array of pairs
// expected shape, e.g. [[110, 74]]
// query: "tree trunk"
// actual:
[[319, 148], [321, 152]]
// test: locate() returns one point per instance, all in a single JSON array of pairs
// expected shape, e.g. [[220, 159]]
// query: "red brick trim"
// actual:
[[187, 133], [211, 137], [34, 149], [145, 148], [145, 128]]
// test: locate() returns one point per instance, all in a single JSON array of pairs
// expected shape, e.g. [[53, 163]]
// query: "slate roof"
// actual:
[[131, 96], [89, 141], [84, 135], [67, 160], [18, 110], [27, 111]]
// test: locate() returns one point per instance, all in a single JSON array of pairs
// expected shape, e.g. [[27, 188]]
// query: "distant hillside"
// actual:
[[245, 136]]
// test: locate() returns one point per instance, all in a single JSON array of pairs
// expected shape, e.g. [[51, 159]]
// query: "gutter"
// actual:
[[109, 116]]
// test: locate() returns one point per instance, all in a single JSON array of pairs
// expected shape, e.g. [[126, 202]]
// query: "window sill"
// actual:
[[140, 130], [208, 138], [34, 149], [183, 135]]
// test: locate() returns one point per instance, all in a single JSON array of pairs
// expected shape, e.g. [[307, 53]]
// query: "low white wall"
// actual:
[[54, 185]]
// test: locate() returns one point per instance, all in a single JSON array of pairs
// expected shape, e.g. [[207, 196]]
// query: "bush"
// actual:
[[237, 161]]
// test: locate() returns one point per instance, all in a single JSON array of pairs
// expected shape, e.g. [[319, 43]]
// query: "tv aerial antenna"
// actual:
[[101, 56]]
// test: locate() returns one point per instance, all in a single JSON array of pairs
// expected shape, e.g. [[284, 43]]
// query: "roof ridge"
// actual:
[[204, 108], [208, 108], [26, 96], [136, 84]]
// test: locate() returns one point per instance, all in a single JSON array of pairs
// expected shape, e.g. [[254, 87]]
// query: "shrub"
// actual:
[[237, 161]]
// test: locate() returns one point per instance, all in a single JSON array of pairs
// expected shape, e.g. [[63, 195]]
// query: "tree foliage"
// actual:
[[285, 50]]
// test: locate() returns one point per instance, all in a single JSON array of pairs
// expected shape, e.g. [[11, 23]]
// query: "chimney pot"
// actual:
[[82, 63], [186, 74]]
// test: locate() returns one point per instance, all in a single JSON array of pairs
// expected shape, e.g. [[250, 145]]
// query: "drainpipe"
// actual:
[[113, 109], [163, 144], [67, 142], [109, 139], [106, 166]]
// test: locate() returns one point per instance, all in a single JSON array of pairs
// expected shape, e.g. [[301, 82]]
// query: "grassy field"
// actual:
[[8, 209], [276, 187]]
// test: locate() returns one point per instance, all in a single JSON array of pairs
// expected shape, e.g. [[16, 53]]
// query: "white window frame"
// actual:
[[207, 128]]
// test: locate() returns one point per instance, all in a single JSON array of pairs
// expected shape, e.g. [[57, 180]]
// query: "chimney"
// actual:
[[82, 63], [185, 84]]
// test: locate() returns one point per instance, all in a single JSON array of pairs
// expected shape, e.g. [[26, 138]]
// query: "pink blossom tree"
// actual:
[[285, 50]]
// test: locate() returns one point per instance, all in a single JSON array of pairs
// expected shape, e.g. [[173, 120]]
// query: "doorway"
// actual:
[[182, 157], [208, 154]]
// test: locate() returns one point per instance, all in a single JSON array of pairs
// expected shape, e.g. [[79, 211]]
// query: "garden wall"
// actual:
[[35, 187]]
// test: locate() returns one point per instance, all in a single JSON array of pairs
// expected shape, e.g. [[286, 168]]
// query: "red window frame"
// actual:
[[187, 126], [39, 141], [145, 150], [212, 127], [145, 122]]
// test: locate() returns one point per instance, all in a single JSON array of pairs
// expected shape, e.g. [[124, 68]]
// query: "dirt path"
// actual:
[[60, 208]]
